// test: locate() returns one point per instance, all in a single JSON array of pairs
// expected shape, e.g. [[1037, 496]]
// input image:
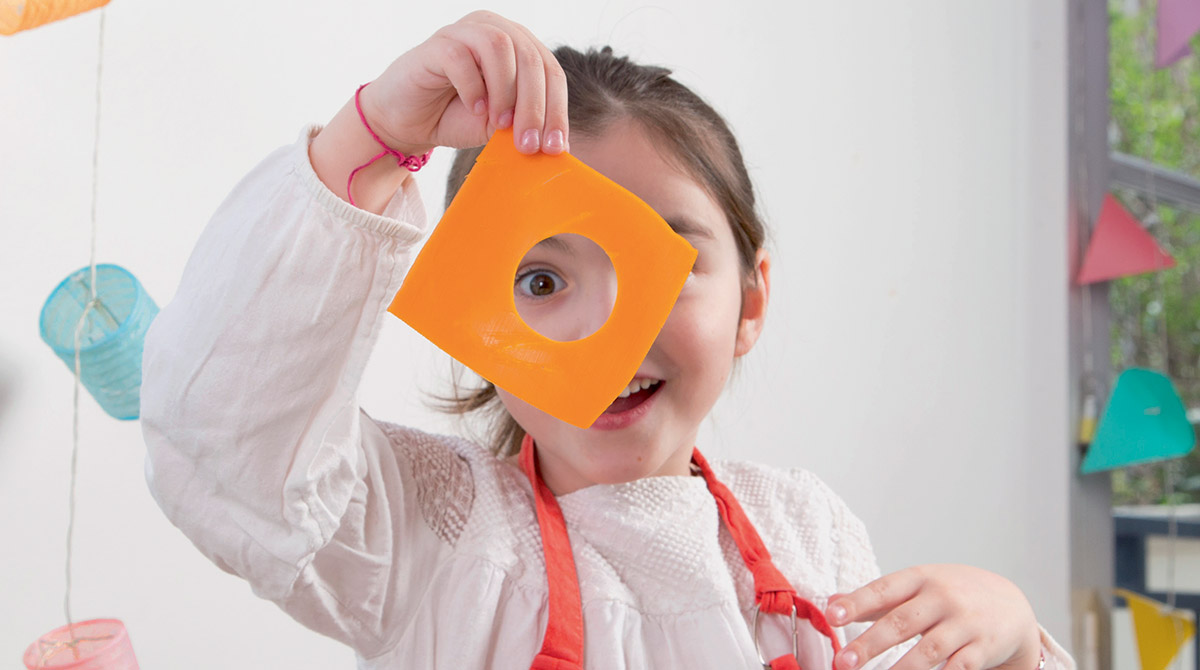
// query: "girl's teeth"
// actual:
[[637, 385]]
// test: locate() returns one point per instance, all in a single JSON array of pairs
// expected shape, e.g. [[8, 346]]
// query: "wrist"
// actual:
[[371, 108], [342, 146], [355, 163], [412, 162]]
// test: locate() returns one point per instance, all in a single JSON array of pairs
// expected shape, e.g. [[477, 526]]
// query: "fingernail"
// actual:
[[554, 141], [849, 660], [505, 119], [480, 107], [530, 141], [837, 613]]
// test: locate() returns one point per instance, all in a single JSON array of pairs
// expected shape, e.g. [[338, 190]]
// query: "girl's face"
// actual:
[[716, 318]]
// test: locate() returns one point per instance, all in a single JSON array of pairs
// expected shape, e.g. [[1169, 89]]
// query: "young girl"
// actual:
[[617, 546]]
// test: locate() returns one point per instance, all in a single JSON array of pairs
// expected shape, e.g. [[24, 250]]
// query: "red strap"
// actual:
[[785, 662], [562, 648], [545, 661], [772, 591]]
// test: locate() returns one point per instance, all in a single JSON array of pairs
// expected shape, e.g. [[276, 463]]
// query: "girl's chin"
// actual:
[[611, 464]]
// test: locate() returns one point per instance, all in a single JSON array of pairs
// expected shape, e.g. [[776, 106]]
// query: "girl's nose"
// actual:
[[594, 305]]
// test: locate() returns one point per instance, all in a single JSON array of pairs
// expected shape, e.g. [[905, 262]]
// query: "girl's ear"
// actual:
[[754, 304]]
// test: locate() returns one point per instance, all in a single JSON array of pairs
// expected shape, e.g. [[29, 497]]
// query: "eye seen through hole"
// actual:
[[565, 287]]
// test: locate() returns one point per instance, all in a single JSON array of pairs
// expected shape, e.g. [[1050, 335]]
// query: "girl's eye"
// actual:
[[539, 283]]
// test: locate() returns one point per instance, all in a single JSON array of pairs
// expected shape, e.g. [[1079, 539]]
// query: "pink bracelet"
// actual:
[[412, 163]]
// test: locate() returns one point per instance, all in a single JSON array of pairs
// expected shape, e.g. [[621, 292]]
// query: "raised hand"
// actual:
[[475, 76], [470, 78]]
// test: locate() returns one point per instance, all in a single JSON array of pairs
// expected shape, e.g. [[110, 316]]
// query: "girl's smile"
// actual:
[[565, 290]]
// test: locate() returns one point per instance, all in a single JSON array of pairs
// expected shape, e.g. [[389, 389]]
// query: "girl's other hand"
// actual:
[[478, 75], [969, 618]]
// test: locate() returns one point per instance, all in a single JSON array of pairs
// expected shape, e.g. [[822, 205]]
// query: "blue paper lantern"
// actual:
[[110, 343]]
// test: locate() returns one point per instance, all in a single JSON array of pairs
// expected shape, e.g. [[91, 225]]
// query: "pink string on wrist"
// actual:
[[411, 163]]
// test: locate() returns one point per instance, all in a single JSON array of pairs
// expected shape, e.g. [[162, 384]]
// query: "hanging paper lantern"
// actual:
[[18, 15], [99, 644], [1160, 631], [1144, 422], [1176, 22], [110, 342], [1120, 247]]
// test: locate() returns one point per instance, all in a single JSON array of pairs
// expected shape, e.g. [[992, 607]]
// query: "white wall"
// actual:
[[911, 160]]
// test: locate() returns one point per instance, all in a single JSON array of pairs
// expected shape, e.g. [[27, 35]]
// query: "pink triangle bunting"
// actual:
[[1120, 247], [1178, 21]]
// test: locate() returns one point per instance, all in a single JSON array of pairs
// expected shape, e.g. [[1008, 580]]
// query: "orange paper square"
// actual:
[[459, 292]]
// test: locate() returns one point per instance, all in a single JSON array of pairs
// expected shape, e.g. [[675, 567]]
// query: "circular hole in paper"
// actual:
[[565, 287]]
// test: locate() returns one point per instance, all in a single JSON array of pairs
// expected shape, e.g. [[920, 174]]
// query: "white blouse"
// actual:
[[419, 550]]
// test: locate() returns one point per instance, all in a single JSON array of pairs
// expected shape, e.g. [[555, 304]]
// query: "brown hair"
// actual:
[[603, 88]]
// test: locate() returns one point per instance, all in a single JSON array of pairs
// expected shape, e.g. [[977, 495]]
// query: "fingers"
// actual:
[[525, 85], [555, 134], [871, 601], [464, 75], [902, 623], [469, 79], [969, 657], [490, 53], [936, 646], [531, 96], [554, 129]]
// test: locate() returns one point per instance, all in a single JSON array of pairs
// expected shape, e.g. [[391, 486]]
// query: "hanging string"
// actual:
[[93, 301], [96, 146], [1170, 472], [1089, 384], [1091, 651], [1173, 469]]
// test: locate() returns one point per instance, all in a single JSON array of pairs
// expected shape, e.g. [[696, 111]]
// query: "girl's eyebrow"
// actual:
[[555, 243], [688, 228]]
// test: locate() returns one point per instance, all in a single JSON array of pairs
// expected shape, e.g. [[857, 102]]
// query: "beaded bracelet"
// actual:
[[411, 163]]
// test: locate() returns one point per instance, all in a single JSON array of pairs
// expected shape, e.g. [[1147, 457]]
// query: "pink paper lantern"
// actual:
[[99, 644]]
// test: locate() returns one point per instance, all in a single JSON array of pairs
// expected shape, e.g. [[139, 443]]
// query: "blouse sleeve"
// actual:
[[1057, 658], [256, 447]]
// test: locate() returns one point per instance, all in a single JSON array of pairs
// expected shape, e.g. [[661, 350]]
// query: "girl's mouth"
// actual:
[[638, 391], [633, 403]]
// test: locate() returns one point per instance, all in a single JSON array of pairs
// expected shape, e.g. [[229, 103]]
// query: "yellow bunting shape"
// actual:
[[18, 15], [1160, 632], [459, 292]]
